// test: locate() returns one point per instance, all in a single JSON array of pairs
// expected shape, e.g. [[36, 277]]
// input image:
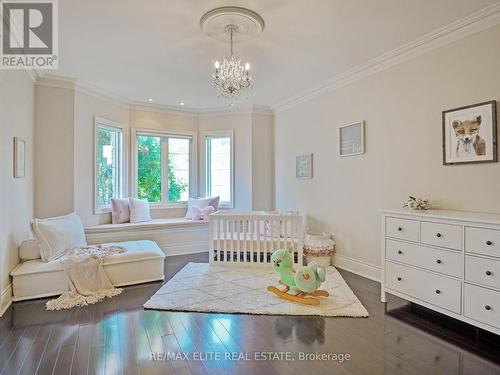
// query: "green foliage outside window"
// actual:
[[149, 171], [105, 175]]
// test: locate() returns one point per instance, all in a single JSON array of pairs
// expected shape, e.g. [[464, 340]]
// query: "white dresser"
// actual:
[[448, 261]]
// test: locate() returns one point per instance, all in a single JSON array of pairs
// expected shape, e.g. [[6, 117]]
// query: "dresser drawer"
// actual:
[[482, 304], [443, 261], [434, 289], [482, 271], [402, 228], [482, 241], [444, 235]]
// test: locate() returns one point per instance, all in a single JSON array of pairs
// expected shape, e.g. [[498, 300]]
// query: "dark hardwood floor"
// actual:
[[118, 336]]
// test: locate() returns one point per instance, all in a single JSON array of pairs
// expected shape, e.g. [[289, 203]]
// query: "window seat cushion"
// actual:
[[147, 225]]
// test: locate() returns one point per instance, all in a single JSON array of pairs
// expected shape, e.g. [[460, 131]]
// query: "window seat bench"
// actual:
[[175, 236]]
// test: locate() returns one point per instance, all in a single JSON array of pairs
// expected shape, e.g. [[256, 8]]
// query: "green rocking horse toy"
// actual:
[[304, 282]]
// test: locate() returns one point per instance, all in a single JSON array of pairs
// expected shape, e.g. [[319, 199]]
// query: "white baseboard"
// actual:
[[368, 270], [5, 299], [191, 247]]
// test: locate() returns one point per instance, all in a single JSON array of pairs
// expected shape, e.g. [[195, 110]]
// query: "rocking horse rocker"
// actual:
[[304, 282]]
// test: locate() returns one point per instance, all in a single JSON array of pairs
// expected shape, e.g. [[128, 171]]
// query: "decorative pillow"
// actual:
[[214, 202], [57, 235], [29, 250], [198, 213], [139, 210], [120, 211], [199, 203], [206, 212]]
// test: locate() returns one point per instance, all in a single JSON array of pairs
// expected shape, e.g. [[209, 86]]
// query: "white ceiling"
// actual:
[[155, 48]]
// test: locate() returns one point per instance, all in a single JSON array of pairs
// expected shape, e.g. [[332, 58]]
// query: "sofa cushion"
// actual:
[[56, 235]]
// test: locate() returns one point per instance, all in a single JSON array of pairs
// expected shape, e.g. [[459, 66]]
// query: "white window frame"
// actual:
[[103, 123], [204, 175], [193, 157]]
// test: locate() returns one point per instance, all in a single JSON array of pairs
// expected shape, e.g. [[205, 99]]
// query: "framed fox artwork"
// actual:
[[470, 134]]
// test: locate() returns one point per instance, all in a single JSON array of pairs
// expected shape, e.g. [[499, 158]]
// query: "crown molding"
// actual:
[[60, 82], [231, 111], [469, 25], [195, 112], [71, 83], [160, 108], [100, 93]]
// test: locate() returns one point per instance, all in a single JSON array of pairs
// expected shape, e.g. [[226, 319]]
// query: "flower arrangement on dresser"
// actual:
[[416, 203]]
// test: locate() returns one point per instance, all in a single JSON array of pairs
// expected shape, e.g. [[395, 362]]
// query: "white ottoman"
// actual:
[[141, 263]]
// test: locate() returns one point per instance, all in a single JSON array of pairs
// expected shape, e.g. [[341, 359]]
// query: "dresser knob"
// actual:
[[438, 291], [400, 229], [438, 261], [399, 279], [489, 243], [488, 273], [487, 307], [438, 235], [400, 252]]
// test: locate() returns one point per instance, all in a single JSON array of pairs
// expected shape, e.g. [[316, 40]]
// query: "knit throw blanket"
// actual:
[[88, 282]]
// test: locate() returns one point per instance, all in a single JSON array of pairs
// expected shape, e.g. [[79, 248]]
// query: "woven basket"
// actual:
[[319, 247]]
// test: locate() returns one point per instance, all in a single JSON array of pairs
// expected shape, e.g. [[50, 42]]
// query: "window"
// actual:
[[219, 168], [108, 163], [165, 166]]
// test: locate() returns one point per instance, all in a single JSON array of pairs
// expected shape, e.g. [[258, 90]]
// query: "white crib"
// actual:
[[251, 237]]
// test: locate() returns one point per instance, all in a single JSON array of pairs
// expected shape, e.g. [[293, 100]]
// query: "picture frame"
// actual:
[[19, 158], [304, 166], [352, 139], [469, 134]]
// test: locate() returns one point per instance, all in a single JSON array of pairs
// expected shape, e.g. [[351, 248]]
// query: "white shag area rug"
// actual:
[[205, 287]]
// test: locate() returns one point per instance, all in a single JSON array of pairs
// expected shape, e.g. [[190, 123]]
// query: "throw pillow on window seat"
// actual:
[[139, 210], [196, 205], [120, 211]]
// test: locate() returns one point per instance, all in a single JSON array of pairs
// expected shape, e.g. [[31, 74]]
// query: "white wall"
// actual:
[[54, 151], [402, 108], [16, 194], [262, 161]]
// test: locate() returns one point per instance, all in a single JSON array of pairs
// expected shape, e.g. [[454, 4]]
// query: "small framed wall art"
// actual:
[[304, 166], [470, 134], [352, 139], [19, 158]]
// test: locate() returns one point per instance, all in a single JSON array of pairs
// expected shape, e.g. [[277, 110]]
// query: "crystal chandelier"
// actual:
[[230, 77]]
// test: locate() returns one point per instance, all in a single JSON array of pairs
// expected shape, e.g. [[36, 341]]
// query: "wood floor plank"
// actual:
[[118, 336]]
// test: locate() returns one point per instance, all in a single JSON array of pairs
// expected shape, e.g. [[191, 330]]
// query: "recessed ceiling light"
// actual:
[[181, 103], [150, 100]]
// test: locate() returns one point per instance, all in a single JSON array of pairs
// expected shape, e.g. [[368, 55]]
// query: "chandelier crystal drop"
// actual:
[[231, 77]]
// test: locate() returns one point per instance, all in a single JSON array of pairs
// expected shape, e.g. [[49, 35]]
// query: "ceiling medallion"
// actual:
[[231, 77]]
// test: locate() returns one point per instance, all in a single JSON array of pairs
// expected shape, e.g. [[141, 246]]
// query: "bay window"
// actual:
[[219, 166], [108, 163], [165, 162]]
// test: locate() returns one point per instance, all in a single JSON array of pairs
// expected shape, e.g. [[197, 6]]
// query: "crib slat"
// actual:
[[238, 241], [245, 240], [286, 224]]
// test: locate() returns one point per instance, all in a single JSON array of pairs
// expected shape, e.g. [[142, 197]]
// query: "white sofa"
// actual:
[[40, 274], [142, 262]]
